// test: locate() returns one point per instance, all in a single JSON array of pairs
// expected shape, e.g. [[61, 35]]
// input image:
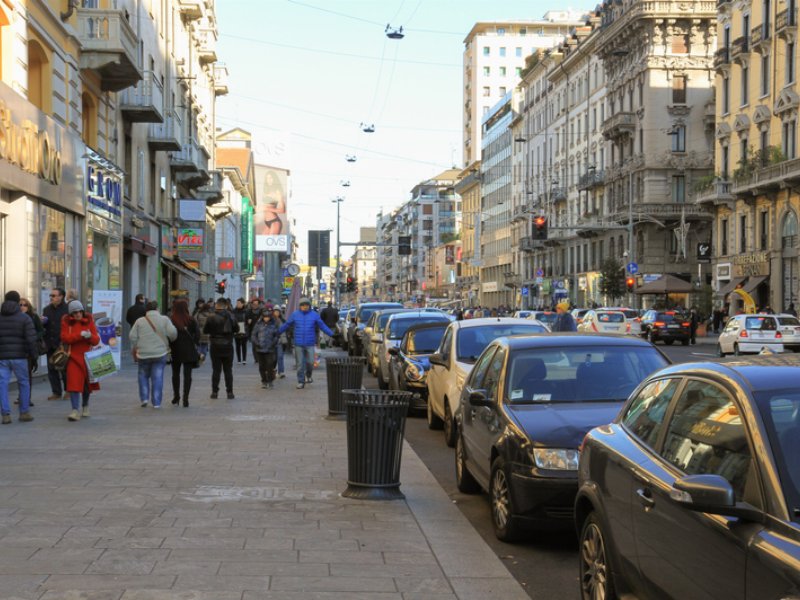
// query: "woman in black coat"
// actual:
[[184, 350]]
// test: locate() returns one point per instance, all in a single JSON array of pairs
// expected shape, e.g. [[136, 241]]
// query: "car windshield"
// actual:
[[780, 411], [579, 373], [384, 317], [610, 317], [398, 327], [473, 340], [548, 318], [669, 317], [426, 340], [629, 313]]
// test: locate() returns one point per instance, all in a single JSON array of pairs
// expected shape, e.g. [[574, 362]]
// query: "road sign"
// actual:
[[524, 290], [540, 272], [323, 287], [632, 268]]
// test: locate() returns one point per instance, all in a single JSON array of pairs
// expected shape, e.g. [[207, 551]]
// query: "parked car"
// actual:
[[668, 326], [694, 490], [632, 316], [523, 412], [548, 317], [396, 326], [359, 321], [753, 333], [522, 314], [578, 314], [460, 347], [409, 364], [345, 318], [374, 333], [604, 321]]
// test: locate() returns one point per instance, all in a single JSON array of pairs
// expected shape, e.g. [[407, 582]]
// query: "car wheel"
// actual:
[[669, 342], [465, 482], [736, 350], [506, 525], [450, 428], [595, 571], [434, 422], [720, 353]]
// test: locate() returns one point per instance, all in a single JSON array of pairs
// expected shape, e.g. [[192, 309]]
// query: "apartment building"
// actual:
[[755, 204], [468, 188], [494, 56]]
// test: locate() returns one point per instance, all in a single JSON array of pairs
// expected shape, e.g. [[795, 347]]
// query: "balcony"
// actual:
[[206, 42], [620, 125], [220, 80], [759, 38], [109, 47], [528, 244], [165, 136], [558, 194], [191, 9], [212, 191], [190, 164], [667, 211], [786, 23], [721, 59], [590, 180], [143, 103], [740, 49], [773, 177], [718, 192]]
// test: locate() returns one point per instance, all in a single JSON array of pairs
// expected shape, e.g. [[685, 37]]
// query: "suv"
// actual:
[[667, 326], [355, 343]]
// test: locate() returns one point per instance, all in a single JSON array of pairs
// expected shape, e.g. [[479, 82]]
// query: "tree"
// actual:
[[612, 284]]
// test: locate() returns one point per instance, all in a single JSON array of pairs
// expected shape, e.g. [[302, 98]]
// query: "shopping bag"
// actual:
[[100, 363]]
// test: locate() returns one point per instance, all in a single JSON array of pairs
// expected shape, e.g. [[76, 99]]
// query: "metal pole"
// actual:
[[338, 256], [631, 255]]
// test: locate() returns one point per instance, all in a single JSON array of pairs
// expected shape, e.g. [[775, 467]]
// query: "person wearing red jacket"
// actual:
[[79, 332]]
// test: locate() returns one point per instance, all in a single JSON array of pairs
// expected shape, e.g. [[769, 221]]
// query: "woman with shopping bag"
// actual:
[[79, 334]]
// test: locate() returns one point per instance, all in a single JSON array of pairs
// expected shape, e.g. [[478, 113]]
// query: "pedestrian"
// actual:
[[27, 307], [202, 316], [150, 339], [137, 310], [330, 316], [80, 335], [693, 322], [265, 340], [198, 306], [221, 327], [283, 342], [716, 319], [240, 339], [53, 315], [790, 310], [304, 322], [185, 356], [17, 348], [564, 320]]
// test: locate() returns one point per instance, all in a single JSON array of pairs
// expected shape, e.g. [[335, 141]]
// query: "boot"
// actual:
[[176, 400], [186, 399]]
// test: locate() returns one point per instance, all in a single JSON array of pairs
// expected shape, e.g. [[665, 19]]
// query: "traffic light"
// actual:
[[404, 245], [351, 287], [629, 282], [540, 228], [221, 287]]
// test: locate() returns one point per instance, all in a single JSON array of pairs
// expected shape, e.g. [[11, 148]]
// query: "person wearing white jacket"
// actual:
[[150, 338]]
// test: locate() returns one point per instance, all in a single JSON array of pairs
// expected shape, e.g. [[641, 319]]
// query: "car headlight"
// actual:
[[415, 372], [556, 459]]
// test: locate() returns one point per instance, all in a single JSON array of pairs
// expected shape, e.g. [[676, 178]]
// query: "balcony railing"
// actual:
[[718, 192], [591, 180], [558, 194], [759, 35], [220, 79], [143, 103], [619, 125], [641, 211], [191, 9], [212, 191], [770, 177], [190, 164], [740, 49], [206, 42], [167, 135], [721, 58], [109, 47], [786, 22]]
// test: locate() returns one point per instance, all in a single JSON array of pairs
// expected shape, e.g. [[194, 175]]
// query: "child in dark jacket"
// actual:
[[265, 338]]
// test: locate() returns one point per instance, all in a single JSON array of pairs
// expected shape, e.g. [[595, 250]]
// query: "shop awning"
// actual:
[[754, 282], [730, 286], [181, 267], [139, 246]]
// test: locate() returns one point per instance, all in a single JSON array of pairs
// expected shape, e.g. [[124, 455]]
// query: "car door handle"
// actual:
[[645, 498]]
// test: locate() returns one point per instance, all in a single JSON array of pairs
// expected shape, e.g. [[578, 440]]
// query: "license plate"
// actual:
[[673, 326]]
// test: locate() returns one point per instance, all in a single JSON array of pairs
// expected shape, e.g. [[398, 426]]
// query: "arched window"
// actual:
[[38, 76], [789, 230]]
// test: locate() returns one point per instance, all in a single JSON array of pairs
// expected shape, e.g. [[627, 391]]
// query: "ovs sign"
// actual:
[[272, 243]]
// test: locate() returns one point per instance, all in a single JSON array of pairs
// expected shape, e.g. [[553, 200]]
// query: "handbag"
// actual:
[[163, 339], [60, 358], [41, 346]]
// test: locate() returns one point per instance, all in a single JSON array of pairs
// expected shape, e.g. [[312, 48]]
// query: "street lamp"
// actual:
[[338, 200]]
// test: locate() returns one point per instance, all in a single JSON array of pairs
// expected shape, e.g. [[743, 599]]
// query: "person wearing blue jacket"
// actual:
[[305, 323]]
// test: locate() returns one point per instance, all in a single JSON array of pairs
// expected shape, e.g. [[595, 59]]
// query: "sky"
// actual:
[[304, 75]]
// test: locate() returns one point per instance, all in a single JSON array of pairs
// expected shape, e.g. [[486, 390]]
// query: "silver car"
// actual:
[[396, 326]]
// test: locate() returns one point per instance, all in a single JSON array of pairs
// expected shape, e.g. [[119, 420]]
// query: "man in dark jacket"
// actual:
[[17, 346], [564, 320], [305, 323], [137, 311], [221, 327], [53, 313], [330, 316]]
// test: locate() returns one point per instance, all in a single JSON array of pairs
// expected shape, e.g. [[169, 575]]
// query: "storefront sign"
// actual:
[[724, 271], [704, 252], [167, 242], [272, 243], [751, 265], [103, 187], [190, 209], [489, 286], [23, 144], [190, 240], [225, 264]]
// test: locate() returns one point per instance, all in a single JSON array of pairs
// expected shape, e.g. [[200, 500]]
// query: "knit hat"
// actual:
[[304, 300], [563, 306], [12, 296], [75, 306]]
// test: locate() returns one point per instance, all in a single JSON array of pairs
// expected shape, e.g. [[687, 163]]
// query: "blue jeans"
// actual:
[[75, 399], [280, 359], [18, 366], [202, 349], [304, 360], [151, 375]]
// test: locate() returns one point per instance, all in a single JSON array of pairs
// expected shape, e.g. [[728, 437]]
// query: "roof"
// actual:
[[484, 321], [567, 340], [758, 372], [429, 324], [239, 158], [416, 314]]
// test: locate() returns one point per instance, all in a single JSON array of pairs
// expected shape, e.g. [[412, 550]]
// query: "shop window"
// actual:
[[52, 247]]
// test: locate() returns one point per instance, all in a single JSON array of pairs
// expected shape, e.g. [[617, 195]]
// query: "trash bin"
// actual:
[[376, 421], [343, 374]]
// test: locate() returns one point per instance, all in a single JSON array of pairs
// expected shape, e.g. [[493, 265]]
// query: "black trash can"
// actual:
[[345, 373], [376, 422]]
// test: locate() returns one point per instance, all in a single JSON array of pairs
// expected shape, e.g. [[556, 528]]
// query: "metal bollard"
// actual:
[[343, 374]]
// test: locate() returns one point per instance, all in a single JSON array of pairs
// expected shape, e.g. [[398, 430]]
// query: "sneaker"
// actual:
[[85, 412], [144, 404], [156, 407], [300, 386], [74, 415], [264, 385], [25, 417], [214, 395], [6, 419], [269, 386], [54, 397], [231, 396], [309, 380], [281, 375]]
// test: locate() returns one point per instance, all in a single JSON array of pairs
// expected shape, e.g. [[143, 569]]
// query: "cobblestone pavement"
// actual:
[[225, 499]]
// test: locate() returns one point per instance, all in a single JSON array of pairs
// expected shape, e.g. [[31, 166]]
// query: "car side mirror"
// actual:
[[479, 398], [437, 359], [394, 351], [711, 494]]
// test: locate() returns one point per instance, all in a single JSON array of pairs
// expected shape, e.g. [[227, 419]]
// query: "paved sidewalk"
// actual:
[[226, 499]]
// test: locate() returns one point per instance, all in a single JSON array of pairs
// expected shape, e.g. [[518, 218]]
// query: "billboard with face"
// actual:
[[272, 194]]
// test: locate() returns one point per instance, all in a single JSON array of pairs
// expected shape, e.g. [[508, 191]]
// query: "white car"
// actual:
[[391, 336], [754, 333], [632, 317], [604, 321], [460, 347]]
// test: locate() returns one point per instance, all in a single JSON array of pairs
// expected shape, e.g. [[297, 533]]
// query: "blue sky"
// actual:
[[304, 74]]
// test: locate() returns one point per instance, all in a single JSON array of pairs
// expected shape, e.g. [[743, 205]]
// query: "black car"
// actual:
[[356, 326], [694, 490], [667, 326], [409, 362], [524, 410]]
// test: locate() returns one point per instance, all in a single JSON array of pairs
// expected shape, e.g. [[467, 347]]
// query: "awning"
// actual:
[[754, 282], [730, 286], [139, 246], [181, 267]]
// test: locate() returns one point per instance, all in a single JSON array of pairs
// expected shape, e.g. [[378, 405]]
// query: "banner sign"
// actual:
[[272, 243], [103, 187], [190, 240], [190, 209], [167, 242], [225, 264], [246, 241], [107, 315]]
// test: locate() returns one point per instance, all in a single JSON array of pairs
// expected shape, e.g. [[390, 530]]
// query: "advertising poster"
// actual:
[[190, 241], [272, 195], [107, 314]]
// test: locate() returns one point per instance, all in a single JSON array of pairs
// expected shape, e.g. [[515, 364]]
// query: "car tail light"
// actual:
[[685, 324], [627, 327], [659, 324], [778, 335], [743, 333]]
